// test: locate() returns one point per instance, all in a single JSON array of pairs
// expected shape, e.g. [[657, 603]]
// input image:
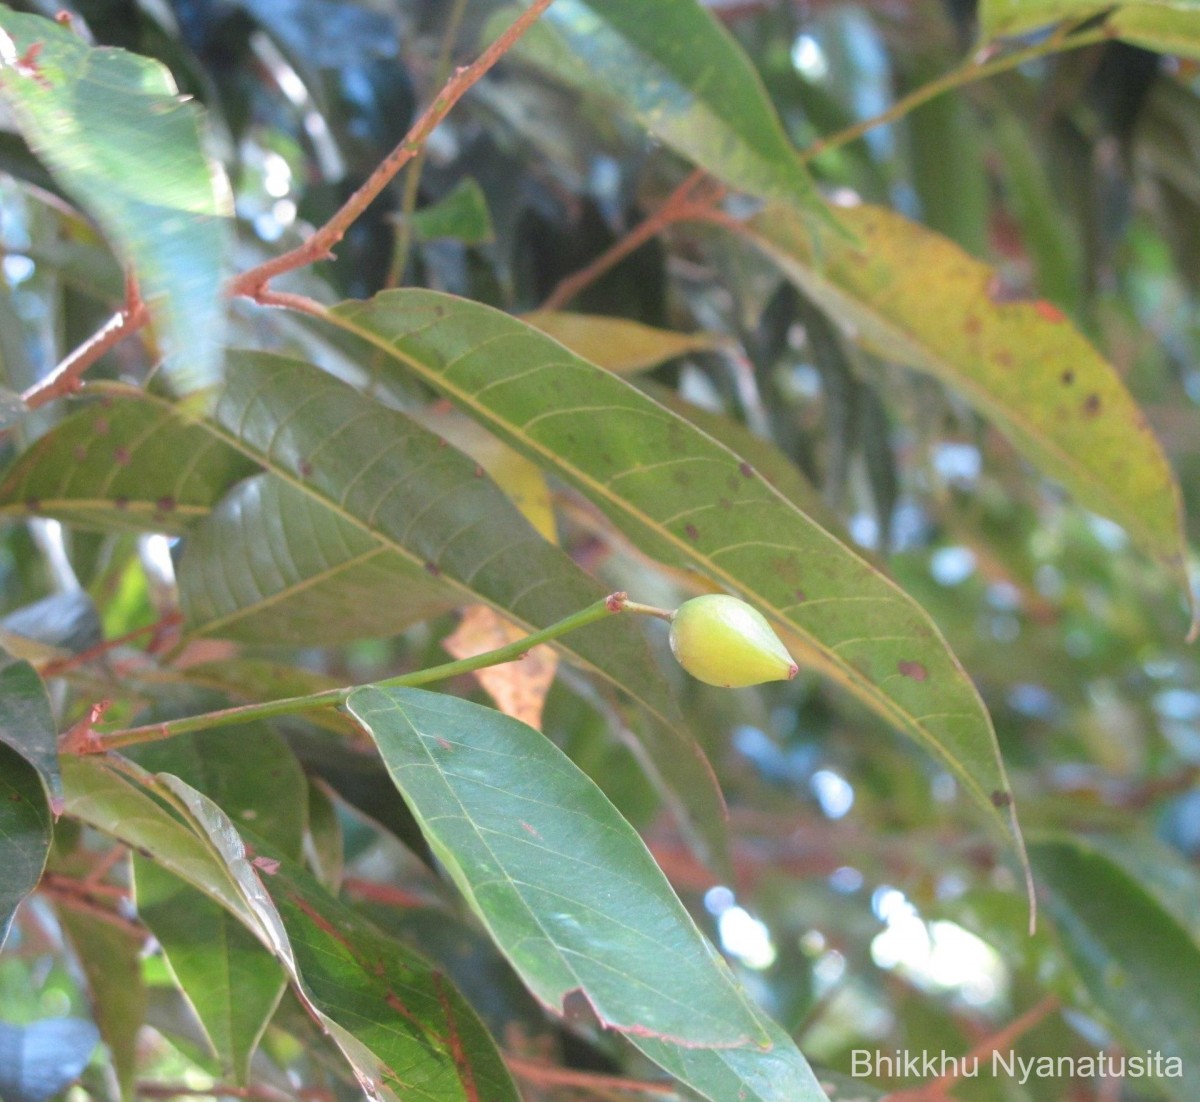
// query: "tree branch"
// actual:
[[319, 246]]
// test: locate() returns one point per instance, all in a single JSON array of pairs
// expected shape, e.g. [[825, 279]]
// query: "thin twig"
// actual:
[[939, 1088], [981, 67], [319, 246], [551, 1075], [64, 379], [680, 206], [62, 665], [412, 181]]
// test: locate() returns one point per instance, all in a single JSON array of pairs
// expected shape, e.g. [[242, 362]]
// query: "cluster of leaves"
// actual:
[[895, 392]]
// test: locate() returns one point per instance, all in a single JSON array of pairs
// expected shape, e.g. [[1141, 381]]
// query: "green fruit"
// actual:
[[723, 641]]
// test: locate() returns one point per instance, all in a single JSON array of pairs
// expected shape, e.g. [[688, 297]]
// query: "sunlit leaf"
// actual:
[[568, 891], [618, 344], [683, 497], [117, 136], [1022, 364], [684, 78]]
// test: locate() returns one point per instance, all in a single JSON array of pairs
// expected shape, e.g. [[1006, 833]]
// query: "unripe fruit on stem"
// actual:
[[723, 641]]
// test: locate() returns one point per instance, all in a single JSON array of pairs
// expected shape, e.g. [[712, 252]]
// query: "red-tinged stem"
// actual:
[[64, 379], [62, 665], [681, 205], [319, 246], [553, 1076]]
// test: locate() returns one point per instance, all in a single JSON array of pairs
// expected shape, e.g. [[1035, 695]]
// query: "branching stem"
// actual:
[[100, 741]]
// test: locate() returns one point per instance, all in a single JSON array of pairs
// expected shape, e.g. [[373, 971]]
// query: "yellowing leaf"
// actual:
[[518, 688], [915, 297], [618, 344]]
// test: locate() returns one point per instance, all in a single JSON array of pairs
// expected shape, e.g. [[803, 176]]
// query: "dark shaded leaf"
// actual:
[[1142, 971], [24, 834]]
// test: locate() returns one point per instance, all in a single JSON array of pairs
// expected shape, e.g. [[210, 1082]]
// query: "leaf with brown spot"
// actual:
[[622, 449], [908, 294], [518, 688]]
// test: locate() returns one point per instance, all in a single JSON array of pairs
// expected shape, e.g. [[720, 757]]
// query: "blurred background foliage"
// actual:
[[863, 904]]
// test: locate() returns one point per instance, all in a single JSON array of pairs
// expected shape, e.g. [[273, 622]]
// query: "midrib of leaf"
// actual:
[[470, 595], [289, 592], [464, 883], [553, 460]]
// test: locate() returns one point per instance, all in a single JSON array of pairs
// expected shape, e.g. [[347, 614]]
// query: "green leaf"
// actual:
[[384, 474], [231, 981], [115, 133], [461, 214], [618, 344], [684, 78], [272, 564], [248, 770], [126, 463], [1001, 17], [685, 498], [401, 1023], [1142, 971], [102, 797], [1022, 364], [1166, 27], [111, 958], [24, 833], [26, 722], [568, 891]]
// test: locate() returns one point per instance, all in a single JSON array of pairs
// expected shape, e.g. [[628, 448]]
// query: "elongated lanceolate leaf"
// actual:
[[401, 1023], [396, 481], [128, 149], [682, 496], [1138, 961], [569, 892], [126, 463], [24, 833], [915, 297], [686, 81], [272, 564], [232, 983]]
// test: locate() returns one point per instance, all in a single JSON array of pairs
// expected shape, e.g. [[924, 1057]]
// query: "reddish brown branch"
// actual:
[[319, 246], [62, 665], [939, 1088], [64, 379], [552, 1076], [681, 205]]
